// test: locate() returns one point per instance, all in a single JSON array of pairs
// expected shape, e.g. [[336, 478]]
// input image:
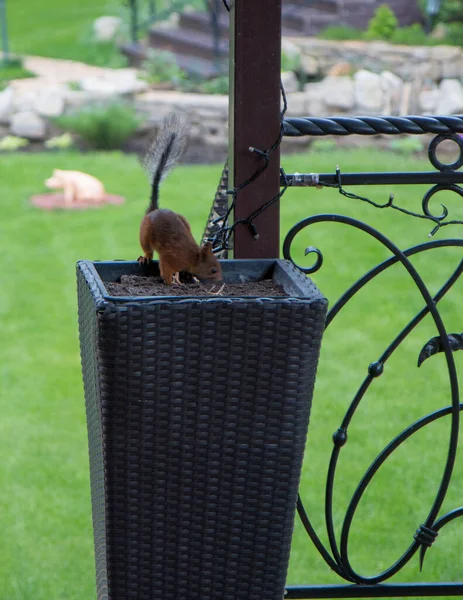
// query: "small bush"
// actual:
[[104, 127], [10, 143], [161, 66], [451, 11], [218, 85], [290, 61], [60, 142], [341, 33], [414, 35], [454, 34], [383, 25], [104, 54]]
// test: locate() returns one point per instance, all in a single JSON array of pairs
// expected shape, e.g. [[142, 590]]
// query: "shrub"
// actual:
[[383, 25], [103, 127], [414, 35], [10, 143], [60, 142], [454, 34], [341, 33], [290, 61], [161, 66], [451, 11], [218, 85], [102, 53]]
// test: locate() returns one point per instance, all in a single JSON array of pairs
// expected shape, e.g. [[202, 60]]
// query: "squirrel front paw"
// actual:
[[143, 260]]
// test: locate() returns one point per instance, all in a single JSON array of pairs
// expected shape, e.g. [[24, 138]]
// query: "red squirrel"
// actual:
[[164, 231]]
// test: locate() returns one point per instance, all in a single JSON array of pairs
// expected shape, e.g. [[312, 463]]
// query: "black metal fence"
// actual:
[[444, 177]]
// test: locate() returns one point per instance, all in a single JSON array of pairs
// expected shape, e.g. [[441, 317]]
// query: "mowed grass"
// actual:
[[46, 547], [63, 30], [53, 28]]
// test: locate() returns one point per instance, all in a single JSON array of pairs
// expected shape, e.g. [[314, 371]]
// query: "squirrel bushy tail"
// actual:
[[163, 153]]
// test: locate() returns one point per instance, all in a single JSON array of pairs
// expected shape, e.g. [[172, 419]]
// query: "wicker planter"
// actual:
[[197, 414]]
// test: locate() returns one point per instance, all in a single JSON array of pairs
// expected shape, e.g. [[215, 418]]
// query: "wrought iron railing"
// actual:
[[444, 177]]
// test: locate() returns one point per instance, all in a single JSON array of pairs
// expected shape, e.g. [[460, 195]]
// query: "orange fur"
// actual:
[[169, 234]]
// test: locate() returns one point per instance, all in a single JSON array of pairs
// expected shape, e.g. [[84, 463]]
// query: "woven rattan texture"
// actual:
[[199, 411]]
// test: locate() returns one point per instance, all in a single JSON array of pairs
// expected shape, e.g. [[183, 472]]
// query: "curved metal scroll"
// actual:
[[338, 559]]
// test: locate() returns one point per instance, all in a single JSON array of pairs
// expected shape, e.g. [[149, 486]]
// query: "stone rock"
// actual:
[[341, 69], [105, 28], [290, 54], [119, 81], [368, 91], [6, 105], [290, 82], [392, 87], [338, 93], [450, 97], [24, 100], [51, 101], [29, 125], [428, 101], [297, 105], [310, 65]]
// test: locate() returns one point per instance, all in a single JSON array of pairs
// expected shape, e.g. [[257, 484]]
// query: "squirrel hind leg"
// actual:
[[166, 272], [176, 279]]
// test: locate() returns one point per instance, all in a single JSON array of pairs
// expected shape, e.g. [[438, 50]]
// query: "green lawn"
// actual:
[[62, 29], [46, 550], [53, 28]]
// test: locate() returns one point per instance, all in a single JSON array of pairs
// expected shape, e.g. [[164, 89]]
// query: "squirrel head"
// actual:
[[208, 267]]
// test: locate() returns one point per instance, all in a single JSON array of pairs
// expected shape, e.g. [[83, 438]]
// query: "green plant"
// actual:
[[60, 142], [74, 86], [218, 85], [290, 61], [102, 54], [454, 34], [161, 66], [451, 11], [10, 143], [414, 35], [407, 146], [103, 127], [383, 25], [341, 33]]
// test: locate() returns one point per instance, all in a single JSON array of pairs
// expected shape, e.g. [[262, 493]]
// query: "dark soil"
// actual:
[[138, 285]]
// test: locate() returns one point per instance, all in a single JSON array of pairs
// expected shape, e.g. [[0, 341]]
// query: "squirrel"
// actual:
[[161, 229]]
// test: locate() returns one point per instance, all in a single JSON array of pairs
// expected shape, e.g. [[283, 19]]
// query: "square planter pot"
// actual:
[[197, 412]]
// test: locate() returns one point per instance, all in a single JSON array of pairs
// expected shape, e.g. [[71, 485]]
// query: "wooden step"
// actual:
[[201, 21], [308, 21], [201, 68], [186, 42], [328, 6]]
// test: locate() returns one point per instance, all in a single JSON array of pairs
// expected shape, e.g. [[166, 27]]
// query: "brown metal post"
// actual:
[[254, 117]]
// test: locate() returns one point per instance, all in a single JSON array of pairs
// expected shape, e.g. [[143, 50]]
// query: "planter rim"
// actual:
[[104, 299]]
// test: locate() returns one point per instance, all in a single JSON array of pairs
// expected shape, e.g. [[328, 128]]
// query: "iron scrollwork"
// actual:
[[446, 177], [338, 559]]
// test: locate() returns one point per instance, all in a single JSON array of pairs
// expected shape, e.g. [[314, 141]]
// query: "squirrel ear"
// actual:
[[206, 249]]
